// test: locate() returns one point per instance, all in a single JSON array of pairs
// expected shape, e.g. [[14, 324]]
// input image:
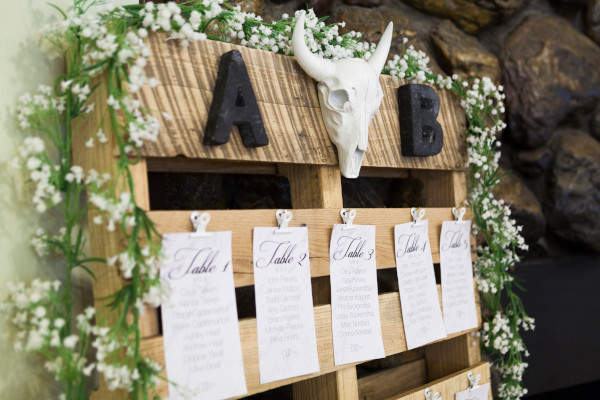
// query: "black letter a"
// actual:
[[234, 103], [420, 133]]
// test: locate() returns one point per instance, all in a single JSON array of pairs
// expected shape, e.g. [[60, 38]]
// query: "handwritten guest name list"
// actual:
[[419, 299], [200, 325], [354, 300], [287, 344], [458, 292]]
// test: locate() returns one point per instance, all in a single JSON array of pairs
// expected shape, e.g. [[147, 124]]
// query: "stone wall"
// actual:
[[546, 54]]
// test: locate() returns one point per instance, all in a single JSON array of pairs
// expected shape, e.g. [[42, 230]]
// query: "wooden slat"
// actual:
[[452, 355], [319, 223], [392, 328], [288, 101], [388, 382], [448, 386]]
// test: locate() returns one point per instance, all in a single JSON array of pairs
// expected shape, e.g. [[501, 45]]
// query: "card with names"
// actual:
[[421, 313], [287, 343], [356, 326], [478, 393], [458, 291], [203, 352]]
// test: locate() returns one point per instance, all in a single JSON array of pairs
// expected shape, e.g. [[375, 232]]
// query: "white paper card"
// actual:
[[419, 299], [203, 353], [355, 321], [458, 292], [479, 393], [287, 343]]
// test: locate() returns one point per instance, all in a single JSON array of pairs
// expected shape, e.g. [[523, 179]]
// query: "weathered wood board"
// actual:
[[448, 386], [288, 101], [392, 328], [319, 223]]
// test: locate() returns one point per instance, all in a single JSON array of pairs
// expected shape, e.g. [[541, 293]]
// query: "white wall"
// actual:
[[23, 67]]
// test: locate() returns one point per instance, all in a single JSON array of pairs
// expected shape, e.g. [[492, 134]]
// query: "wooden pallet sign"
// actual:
[[295, 145], [290, 110]]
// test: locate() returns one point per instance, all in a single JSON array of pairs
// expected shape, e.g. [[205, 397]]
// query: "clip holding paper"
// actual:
[[428, 395], [458, 215], [283, 219], [200, 221], [417, 217], [348, 218], [473, 380]]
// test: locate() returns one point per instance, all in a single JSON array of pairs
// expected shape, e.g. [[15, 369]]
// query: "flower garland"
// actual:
[[105, 39]]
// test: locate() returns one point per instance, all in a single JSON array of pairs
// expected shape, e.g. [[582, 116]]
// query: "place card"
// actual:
[[203, 353], [458, 291], [355, 321], [287, 343], [478, 393], [419, 299]]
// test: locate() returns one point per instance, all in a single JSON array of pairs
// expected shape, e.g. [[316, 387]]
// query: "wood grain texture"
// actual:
[[288, 101], [319, 222], [388, 382], [103, 244], [449, 385], [443, 188], [341, 384], [452, 355], [392, 328]]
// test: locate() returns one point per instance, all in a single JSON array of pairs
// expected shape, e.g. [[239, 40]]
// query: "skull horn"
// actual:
[[377, 60], [316, 67]]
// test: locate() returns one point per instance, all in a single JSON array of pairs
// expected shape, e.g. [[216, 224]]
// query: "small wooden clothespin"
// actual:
[[283, 219], [348, 218], [199, 222], [458, 215], [417, 217], [428, 395], [473, 380]]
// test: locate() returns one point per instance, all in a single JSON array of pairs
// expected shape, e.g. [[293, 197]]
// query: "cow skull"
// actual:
[[349, 94]]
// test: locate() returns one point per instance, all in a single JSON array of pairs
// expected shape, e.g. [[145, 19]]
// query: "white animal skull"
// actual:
[[349, 94]]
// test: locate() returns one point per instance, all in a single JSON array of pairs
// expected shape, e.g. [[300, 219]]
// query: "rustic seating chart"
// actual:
[[299, 149]]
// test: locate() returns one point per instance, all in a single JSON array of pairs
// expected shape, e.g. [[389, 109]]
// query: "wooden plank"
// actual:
[[288, 101], [452, 355], [103, 244], [198, 165], [320, 187], [341, 384], [448, 386], [392, 328], [388, 382], [314, 186], [443, 188], [319, 222], [448, 189], [181, 164]]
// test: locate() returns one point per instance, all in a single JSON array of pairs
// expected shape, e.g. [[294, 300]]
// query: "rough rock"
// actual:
[[250, 6], [321, 7], [462, 54], [533, 162], [364, 3], [595, 123], [468, 14], [592, 20], [551, 75], [372, 23], [573, 204], [524, 205]]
